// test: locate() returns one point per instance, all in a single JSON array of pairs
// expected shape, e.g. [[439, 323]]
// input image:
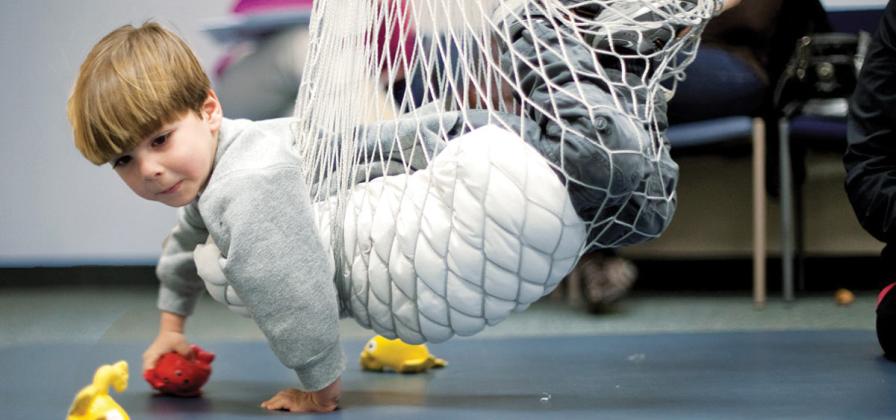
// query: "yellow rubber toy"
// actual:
[[93, 401], [380, 353]]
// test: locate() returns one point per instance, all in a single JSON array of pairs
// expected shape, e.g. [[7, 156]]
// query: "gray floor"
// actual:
[[96, 316], [657, 356]]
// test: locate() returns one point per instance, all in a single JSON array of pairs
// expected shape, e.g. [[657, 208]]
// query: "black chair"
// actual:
[[816, 123]]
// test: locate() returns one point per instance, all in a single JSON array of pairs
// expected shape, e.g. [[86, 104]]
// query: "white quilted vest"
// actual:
[[485, 230]]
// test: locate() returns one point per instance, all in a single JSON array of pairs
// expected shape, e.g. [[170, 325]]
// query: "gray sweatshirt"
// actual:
[[258, 212]]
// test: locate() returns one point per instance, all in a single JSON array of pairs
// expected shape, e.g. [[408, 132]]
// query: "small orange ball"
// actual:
[[844, 297]]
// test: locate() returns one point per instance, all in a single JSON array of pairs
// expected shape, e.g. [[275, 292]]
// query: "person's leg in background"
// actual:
[[718, 84]]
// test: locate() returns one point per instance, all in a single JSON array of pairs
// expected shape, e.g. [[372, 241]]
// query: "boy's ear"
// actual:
[[211, 111]]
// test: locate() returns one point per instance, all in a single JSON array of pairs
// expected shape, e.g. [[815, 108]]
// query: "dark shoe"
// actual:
[[604, 280]]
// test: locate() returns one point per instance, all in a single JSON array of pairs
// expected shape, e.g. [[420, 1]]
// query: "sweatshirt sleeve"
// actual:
[[870, 157], [276, 263], [179, 284]]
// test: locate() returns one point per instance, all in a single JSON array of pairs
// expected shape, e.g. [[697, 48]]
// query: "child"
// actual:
[[143, 103]]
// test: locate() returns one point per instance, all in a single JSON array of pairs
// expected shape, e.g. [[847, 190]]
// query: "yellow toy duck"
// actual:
[[93, 401], [381, 352]]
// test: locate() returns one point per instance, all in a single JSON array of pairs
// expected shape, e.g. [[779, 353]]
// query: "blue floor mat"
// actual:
[[756, 375]]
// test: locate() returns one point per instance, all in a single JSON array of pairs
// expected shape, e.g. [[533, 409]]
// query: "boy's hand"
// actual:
[[171, 338], [296, 401], [165, 342]]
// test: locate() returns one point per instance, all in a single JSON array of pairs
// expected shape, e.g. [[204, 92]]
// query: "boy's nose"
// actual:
[[150, 169]]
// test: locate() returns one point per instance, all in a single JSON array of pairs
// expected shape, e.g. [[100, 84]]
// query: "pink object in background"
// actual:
[[258, 6], [395, 45], [397, 49], [880, 296]]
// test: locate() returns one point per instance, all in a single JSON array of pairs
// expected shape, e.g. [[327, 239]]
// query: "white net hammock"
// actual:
[[463, 154]]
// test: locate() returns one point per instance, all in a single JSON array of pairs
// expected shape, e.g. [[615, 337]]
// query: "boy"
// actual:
[[143, 103]]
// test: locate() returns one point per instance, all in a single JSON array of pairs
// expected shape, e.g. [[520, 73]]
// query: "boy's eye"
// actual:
[[117, 163], [160, 140]]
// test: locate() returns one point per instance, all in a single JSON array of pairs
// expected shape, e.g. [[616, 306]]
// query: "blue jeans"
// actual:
[[718, 84]]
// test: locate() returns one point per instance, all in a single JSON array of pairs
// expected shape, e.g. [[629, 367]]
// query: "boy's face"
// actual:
[[173, 165]]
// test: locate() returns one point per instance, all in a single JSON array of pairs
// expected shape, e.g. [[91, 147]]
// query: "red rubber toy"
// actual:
[[181, 376]]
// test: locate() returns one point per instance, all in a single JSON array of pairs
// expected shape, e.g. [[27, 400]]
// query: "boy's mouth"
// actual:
[[172, 189]]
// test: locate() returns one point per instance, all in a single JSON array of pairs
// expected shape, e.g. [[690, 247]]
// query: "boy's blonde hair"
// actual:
[[133, 81]]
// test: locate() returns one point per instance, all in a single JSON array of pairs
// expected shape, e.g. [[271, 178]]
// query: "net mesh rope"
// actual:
[[390, 85]]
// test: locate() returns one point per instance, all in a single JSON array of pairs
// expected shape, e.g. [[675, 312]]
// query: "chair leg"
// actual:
[[759, 216], [799, 241], [786, 181]]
